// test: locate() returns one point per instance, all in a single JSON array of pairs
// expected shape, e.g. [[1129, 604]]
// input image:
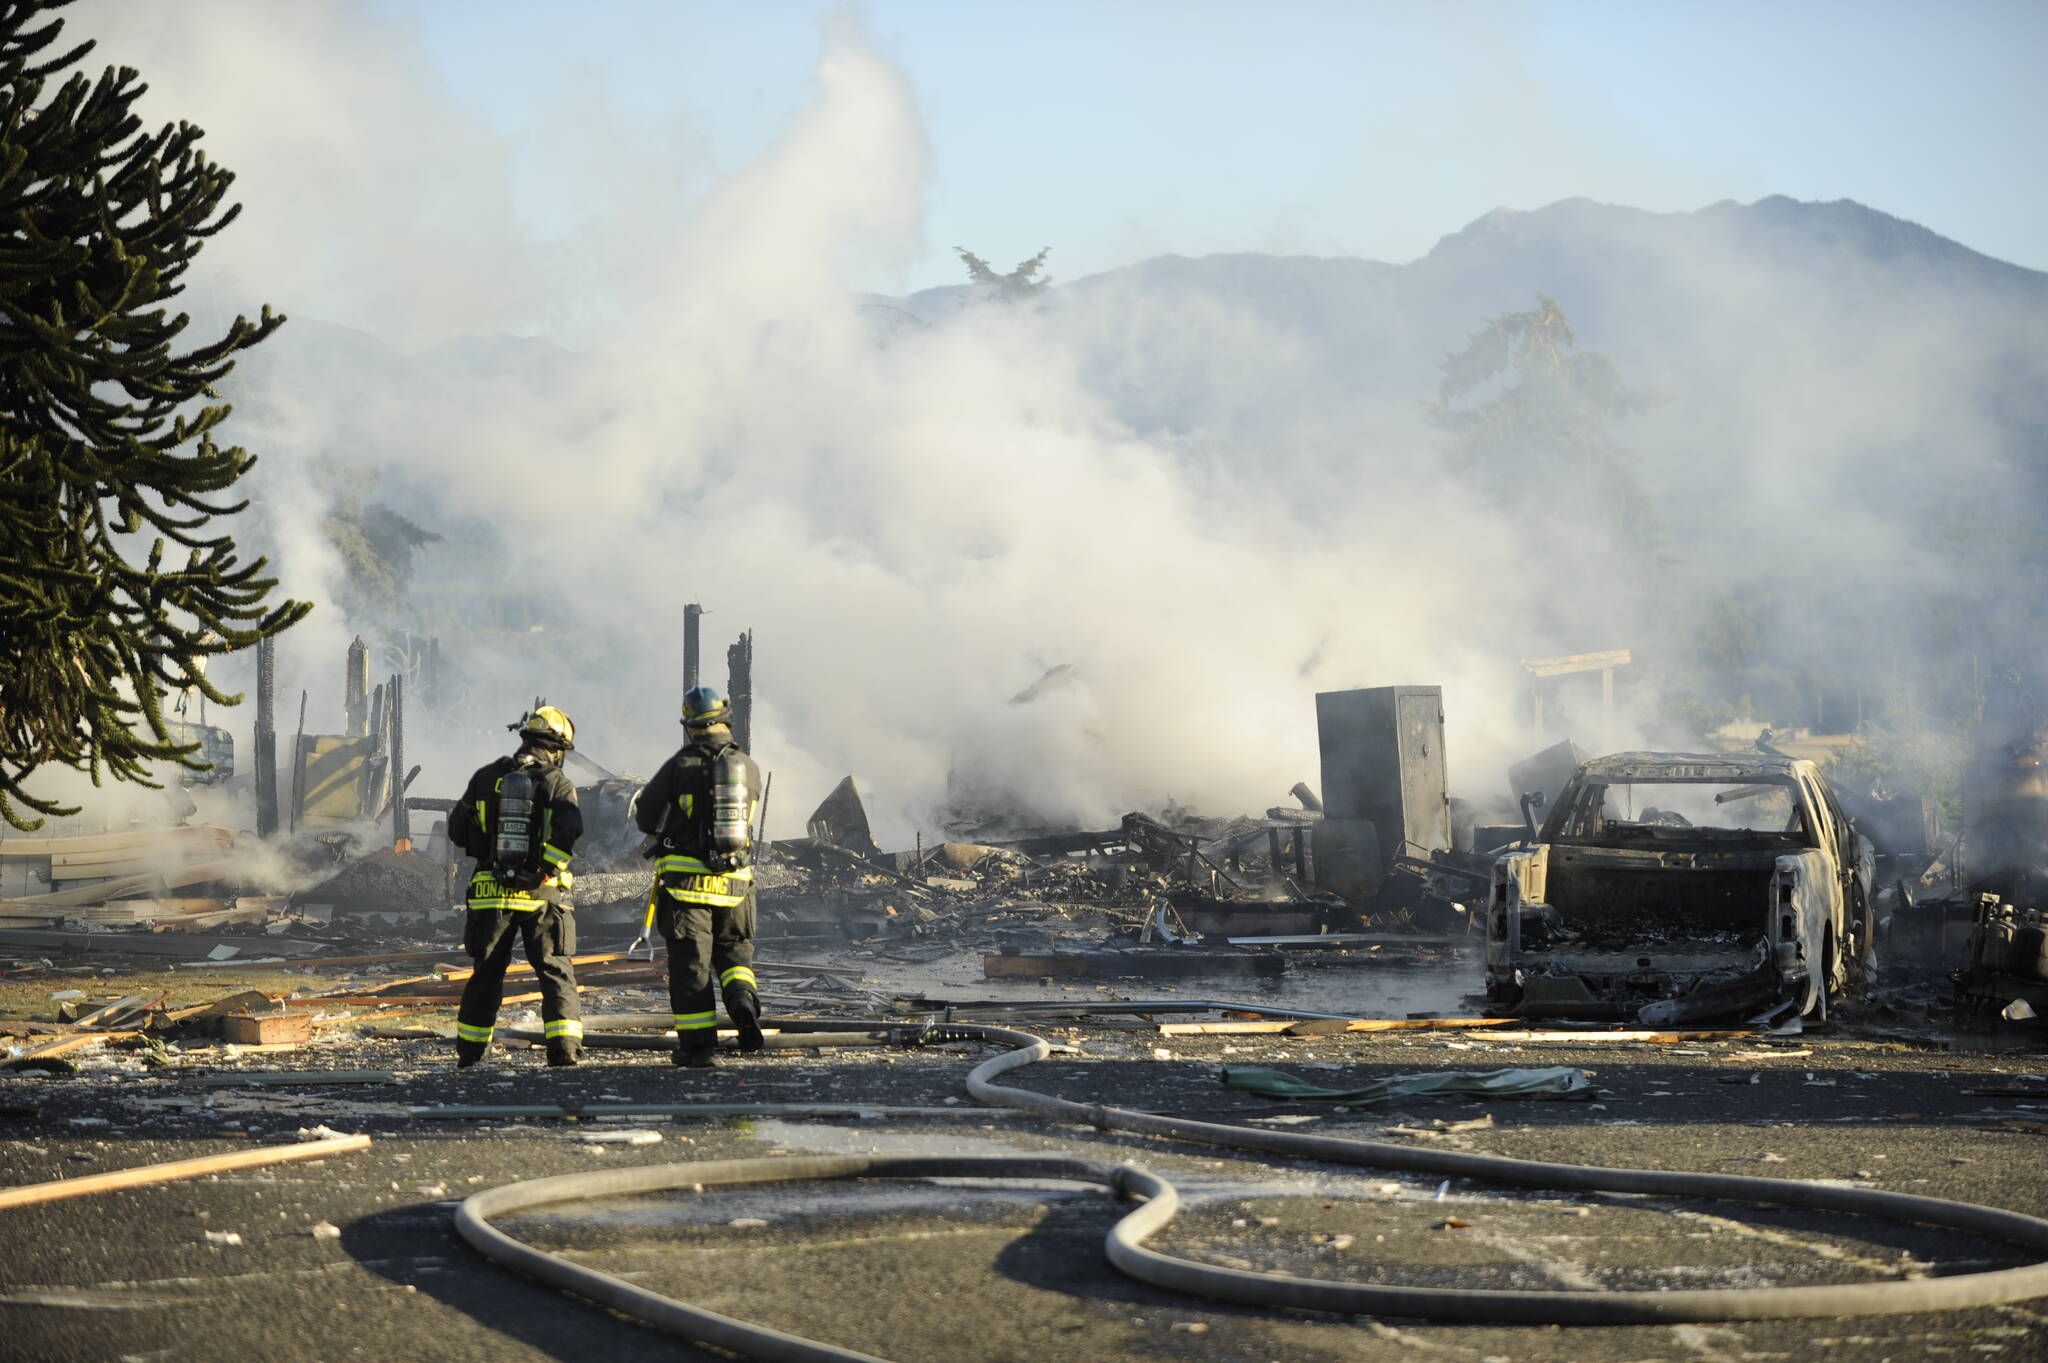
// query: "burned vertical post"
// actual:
[[691, 614], [355, 690], [299, 767], [370, 781], [401, 827], [266, 736], [739, 689]]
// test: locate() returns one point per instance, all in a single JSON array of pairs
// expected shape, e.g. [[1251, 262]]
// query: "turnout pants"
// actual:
[[710, 950], [549, 935]]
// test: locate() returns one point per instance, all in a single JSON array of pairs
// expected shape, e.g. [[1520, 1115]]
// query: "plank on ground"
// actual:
[[1601, 1038], [1269, 1026], [70, 1043], [177, 1169], [381, 1000]]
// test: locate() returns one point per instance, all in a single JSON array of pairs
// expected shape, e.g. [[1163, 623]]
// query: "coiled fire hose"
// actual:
[[1126, 1249]]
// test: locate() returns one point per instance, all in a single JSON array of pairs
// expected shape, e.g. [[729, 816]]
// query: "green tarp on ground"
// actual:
[[1555, 1081]]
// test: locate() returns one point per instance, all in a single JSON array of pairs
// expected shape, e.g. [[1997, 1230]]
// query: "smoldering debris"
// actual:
[[388, 882], [1374, 865]]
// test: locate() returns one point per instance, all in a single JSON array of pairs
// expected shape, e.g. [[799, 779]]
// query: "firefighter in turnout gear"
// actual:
[[700, 810], [520, 821]]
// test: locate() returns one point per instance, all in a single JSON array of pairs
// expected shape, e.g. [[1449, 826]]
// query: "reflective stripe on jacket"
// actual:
[[727, 891], [485, 892]]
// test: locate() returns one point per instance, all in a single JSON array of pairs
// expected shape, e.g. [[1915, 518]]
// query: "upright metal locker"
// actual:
[[1383, 763]]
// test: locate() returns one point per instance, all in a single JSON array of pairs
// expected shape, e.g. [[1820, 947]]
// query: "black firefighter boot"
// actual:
[[694, 1055], [744, 1008], [467, 1053], [562, 1054]]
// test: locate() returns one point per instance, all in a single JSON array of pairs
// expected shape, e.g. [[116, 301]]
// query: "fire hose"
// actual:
[[1125, 1243]]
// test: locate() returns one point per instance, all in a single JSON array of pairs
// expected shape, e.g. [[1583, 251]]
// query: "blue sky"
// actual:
[[1116, 131]]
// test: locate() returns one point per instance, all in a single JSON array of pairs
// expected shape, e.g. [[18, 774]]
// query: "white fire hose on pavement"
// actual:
[[1125, 1243]]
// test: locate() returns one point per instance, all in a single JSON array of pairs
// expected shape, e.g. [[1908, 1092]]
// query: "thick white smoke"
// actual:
[[1203, 513], [916, 529]]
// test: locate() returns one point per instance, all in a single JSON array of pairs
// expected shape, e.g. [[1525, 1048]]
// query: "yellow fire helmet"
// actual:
[[548, 725]]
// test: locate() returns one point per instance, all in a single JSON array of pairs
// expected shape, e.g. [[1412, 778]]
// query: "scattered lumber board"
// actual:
[[70, 1043], [1278, 1026], [119, 1010], [101, 891], [382, 1000], [177, 1169], [203, 835], [1602, 1038], [233, 1003]]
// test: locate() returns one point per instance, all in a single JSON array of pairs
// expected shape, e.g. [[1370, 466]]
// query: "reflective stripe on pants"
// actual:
[[548, 933], [708, 948]]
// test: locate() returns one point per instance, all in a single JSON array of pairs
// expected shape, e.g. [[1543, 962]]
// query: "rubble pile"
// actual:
[[387, 882], [1174, 894]]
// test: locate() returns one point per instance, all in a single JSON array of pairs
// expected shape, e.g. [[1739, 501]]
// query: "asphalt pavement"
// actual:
[[353, 1257]]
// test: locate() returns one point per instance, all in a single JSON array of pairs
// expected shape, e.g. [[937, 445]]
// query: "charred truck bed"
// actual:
[[1672, 887]]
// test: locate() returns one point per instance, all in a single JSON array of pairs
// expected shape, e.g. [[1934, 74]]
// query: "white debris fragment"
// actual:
[[746, 1223], [66, 995], [324, 1230], [1189, 1327], [90, 1121], [2019, 1010], [1161, 1053], [319, 1133], [223, 1237]]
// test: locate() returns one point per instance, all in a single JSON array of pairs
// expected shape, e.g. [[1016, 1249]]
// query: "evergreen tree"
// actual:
[[1531, 407], [1017, 286], [115, 585]]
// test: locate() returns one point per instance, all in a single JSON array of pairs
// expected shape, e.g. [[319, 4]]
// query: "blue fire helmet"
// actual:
[[705, 705]]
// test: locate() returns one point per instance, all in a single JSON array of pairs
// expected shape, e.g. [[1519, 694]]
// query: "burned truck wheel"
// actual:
[[1832, 979], [1503, 999], [1862, 938]]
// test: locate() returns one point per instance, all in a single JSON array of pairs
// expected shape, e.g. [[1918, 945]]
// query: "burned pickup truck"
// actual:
[[1668, 887]]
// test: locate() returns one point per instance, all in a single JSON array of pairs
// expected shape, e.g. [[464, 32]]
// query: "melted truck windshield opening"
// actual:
[[1652, 807]]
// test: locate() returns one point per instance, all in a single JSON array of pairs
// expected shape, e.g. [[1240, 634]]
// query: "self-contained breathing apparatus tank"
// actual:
[[732, 833], [515, 842]]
